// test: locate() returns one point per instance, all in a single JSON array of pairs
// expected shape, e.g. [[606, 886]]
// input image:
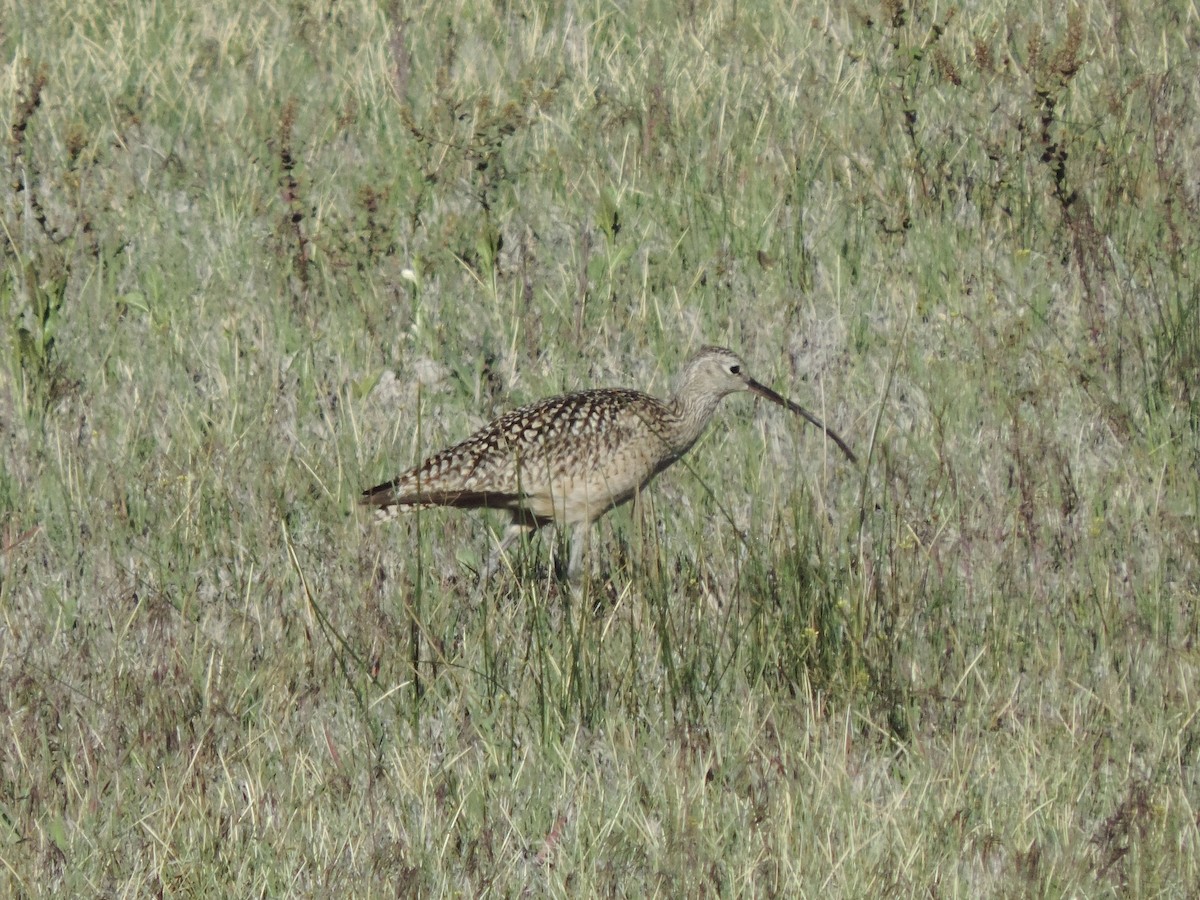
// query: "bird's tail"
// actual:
[[392, 497]]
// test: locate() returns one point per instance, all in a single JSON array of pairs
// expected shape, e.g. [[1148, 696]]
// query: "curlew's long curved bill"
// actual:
[[763, 391]]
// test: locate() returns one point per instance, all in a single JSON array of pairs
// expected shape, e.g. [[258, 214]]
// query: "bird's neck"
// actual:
[[691, 414]]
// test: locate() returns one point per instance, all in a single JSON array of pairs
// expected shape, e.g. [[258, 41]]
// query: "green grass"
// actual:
[[256, 258]]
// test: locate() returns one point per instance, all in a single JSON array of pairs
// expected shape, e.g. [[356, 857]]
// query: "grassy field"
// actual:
[[258, 257]]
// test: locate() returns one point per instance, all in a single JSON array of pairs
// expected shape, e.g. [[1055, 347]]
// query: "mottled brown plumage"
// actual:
[[570, 459]]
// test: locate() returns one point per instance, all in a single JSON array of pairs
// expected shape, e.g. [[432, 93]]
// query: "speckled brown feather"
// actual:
[[537, 451]]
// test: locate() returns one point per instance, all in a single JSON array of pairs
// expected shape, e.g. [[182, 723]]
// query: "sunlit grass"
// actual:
[[259, 258]]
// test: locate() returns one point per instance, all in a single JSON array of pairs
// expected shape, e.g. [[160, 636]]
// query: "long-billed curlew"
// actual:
[[570, 459]]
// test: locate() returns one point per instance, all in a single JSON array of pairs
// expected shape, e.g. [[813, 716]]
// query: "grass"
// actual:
[[257, 258]]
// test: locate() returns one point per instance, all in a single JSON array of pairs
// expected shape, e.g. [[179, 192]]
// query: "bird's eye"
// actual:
[[735, 370]]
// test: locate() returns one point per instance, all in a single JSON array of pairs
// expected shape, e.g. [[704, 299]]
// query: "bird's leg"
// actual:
[[512, 531], [579, 541]]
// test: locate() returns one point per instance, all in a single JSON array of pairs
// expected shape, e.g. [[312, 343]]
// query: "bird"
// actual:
[[567, 460]]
